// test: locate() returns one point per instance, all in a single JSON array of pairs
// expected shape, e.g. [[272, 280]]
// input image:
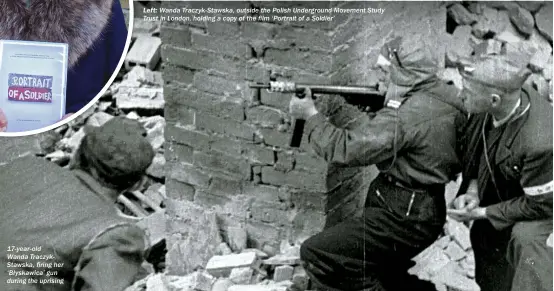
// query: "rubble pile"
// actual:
[[245, 270], [489, 28], [449, 262]]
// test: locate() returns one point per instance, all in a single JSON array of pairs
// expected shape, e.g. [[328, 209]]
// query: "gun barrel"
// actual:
[[260, 86], [290, 87], [331, 89]]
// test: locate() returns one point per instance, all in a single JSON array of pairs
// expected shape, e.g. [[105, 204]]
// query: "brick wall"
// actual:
[[228, 145]]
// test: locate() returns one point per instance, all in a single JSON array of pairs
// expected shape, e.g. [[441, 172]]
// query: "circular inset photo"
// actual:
[[56, 59]]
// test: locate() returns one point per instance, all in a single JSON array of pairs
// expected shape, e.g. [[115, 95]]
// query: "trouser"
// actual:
[[515, 259], [374, 252]]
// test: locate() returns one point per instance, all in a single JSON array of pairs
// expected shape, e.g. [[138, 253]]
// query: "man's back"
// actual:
[[428, 129], [52, 212]]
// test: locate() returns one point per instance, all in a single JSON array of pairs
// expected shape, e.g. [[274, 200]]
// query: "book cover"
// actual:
[[33, 77]]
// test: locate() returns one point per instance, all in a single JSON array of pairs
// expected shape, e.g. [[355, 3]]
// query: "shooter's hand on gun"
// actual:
[[302, 105]]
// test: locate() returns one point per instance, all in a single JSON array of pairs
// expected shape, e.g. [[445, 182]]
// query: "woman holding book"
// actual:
[[94, 30]]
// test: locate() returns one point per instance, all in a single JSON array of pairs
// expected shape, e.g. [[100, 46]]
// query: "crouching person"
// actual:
[[67, 218], [413, 143], [507, 186]]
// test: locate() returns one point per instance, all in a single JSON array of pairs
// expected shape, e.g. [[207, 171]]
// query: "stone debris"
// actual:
[[538, 63], [203, 281], [197, 244], [543, 19], [491, 21], [459, 45], [283, 273], [143, 28], [155, 226], [144, 52], [521, 18], [488, 47], [540, 84], [222, 284], [459, 233], [241, 275], [223, 249], [461, 15], [260, 254], [449, 261], [498, 27], [157, 168], [221, 266], [237, 238], [98, 119], [240, 271], [155, 283], [300, 278], [156, 193]]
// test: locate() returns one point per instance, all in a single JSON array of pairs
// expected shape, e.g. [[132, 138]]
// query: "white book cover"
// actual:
[[33, 78]]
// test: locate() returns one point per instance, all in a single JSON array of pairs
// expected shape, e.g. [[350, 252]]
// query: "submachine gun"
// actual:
[[360, 96]]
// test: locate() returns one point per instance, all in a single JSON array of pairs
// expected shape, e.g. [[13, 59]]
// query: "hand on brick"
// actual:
[[303, 108], [3, 121]]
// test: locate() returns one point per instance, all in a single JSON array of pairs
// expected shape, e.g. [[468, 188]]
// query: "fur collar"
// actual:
[[75, 22]]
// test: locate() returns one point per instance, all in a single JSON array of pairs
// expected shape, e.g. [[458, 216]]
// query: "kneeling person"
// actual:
[[507, 186], [413, 143]]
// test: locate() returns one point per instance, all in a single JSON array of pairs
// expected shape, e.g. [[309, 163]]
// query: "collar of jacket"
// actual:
[[75, 22], [107, 194]]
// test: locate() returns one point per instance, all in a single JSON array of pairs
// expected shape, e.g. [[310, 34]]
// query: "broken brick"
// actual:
[[241, 275], [283, 273], [492, 21], [461, 15], [154, 226], [300, 278], [144, 52], [488, 47], [455, 252], [221, 266], [459, 232], [237, 238], [521, 18], [223, 249], [203, 281], [539, 61], [543, 19]]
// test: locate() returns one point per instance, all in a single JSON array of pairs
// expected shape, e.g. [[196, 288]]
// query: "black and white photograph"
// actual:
[[286, 146]]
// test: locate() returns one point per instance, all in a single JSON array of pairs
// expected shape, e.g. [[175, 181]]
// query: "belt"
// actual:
[[413, 188]]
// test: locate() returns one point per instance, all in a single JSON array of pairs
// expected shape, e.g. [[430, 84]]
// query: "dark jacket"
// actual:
[[71, 218], [522, 164], [95, 31], [417, 141]]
